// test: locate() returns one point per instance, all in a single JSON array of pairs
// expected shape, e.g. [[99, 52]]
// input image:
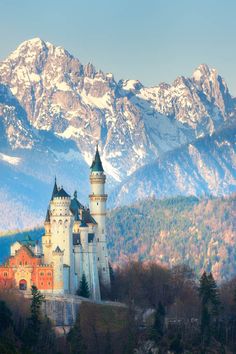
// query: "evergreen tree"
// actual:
[[83, 288], [111, 271], [37, 299], [235, 296], [5, 317], [213, 295], [108, 346], [157, 331], [31, 335], [176, 345], [209, 296], [75, 339]]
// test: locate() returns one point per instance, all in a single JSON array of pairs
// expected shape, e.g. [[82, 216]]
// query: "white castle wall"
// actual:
[[98, 211], [61, 233]]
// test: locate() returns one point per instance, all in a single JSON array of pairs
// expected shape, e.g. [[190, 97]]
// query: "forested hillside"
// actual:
[[197, 232], [200, 233]]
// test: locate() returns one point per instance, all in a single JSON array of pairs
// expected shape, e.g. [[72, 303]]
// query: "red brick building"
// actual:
[[25, 268]]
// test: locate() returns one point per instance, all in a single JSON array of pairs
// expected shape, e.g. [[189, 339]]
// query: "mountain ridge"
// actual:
[[53, 106]]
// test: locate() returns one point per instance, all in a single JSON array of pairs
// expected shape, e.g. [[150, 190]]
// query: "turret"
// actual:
[[61, 219], [46, 239], [98, 200], [57, 258], [47, 225]]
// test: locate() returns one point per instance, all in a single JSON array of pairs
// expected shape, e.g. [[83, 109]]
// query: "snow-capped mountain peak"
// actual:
[[45, 88]]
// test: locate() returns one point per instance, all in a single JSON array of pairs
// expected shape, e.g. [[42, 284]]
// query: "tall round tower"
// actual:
[[61, 231], [98, 200]]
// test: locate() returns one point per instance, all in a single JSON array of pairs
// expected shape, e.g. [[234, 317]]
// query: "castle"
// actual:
[[74, 244]]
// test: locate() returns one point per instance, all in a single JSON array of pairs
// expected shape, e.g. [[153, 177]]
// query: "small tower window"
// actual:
[[103, 269], [5, 274], [98, 258], [98, 240], [97, 203]]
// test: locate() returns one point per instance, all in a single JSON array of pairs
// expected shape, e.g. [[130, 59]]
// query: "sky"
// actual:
[[150, 40]]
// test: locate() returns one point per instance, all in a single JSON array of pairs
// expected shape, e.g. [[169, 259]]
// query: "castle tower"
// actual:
[[58, 283], [98, 200], [61, 220], [46, 240]]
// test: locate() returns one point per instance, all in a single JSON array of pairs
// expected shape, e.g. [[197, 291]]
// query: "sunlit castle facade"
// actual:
[[74, 244]]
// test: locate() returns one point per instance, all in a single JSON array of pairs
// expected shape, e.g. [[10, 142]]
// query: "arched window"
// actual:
[[22, 284], [5, 274], [41, 274]]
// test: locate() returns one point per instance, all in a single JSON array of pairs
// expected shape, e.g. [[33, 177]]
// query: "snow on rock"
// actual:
[[134, 125], [12, 160]]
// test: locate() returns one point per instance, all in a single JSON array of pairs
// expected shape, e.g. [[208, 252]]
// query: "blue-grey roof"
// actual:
[[58, 250], [55, 189], [75, 205], [83, 224], [62, 194], [27, 241], [97, 163], [47, 219]]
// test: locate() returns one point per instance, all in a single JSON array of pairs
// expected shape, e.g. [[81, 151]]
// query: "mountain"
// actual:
[[183, 230], [54, 109], [204, 167], [199, 232]]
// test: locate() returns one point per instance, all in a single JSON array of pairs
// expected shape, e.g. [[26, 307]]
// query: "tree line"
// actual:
[[155, 309]]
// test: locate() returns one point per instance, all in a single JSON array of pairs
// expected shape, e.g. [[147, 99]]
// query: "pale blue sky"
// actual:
[[149, 40]]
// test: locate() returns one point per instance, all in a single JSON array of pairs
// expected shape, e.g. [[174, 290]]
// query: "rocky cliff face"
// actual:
[[205, 167], [52, 105]]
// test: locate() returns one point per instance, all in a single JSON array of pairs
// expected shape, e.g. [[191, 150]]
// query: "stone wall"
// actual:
[[62, 310]]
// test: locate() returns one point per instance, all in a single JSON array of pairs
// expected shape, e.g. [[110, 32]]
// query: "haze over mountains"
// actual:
[[164, 140]]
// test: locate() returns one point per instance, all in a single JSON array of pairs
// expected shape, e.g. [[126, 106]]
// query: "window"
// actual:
[[22, 284], [97, 203], [25, 262], [41, 274], [5, 274], [103, 269], [98, 239], [49, 283], [98, 258], [20, 263], [49, 274], [41, 283]]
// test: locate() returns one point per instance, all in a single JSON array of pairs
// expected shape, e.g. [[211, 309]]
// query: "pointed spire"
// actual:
[[97, 163], [47, 219], [55, 189]]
